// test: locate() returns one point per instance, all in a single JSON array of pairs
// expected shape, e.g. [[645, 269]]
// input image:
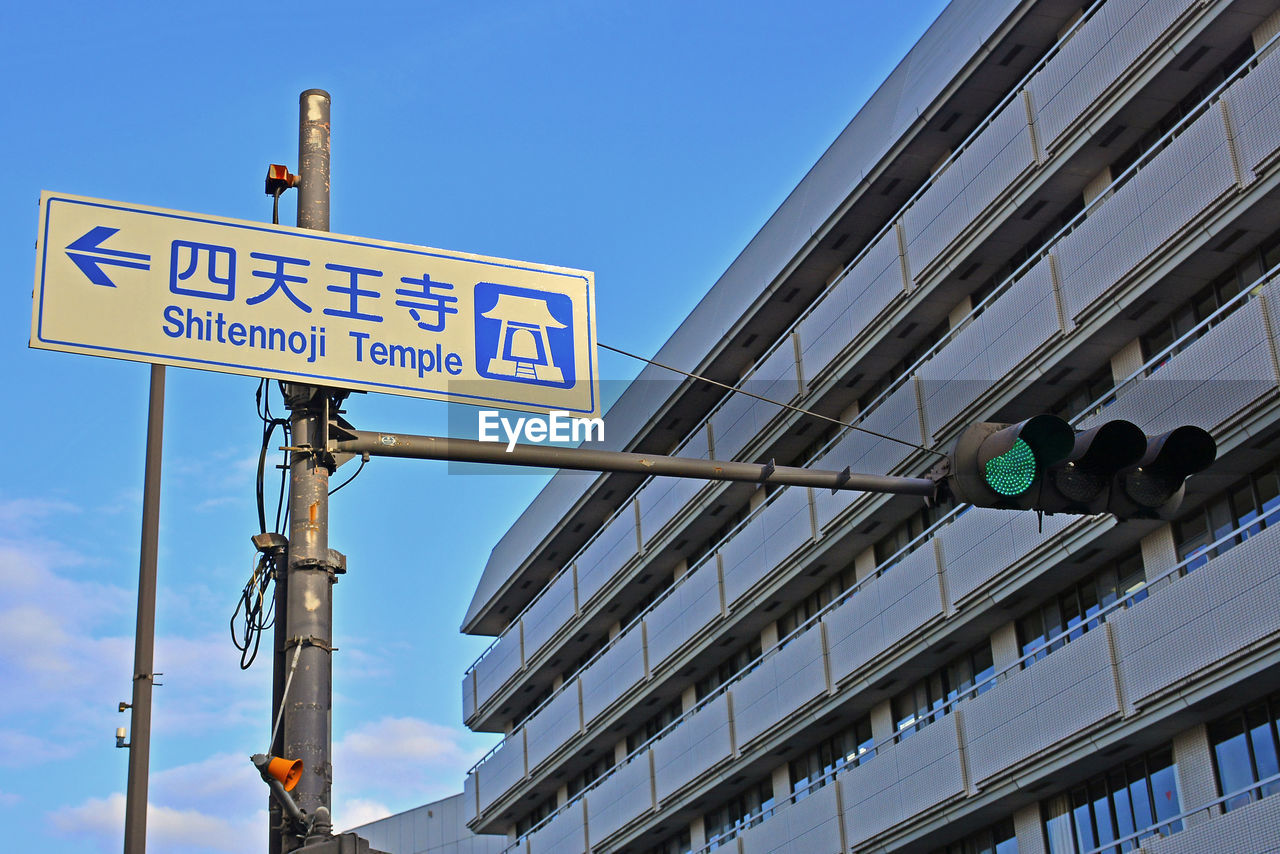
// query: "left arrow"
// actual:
[[91, 264]]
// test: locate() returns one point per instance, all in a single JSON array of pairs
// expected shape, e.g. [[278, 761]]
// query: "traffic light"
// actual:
[[1082, 481], [1153, 489], [1002, 465], [1042, 464]]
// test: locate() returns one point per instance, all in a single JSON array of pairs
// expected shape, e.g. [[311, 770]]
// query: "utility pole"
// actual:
[[307, 600], [135, 810]]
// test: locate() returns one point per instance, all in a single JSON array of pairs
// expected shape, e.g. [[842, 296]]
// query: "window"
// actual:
[[1209, 299], [1085, 392], [678, 843], [590, 774], [999, 838], [1246, 749], [1130, 798], [807, 607], [741, 658], [647, 730], [1237, 507], [540, 811], [1162, 126], [904, 532], [1073, 608], [746, 809], [931, 697], [847, 748]]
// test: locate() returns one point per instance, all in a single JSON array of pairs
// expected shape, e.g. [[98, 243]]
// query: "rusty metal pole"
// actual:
[[311, 566], [135, 810]]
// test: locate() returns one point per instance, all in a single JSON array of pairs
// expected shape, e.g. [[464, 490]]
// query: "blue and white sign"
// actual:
[[175, 288]]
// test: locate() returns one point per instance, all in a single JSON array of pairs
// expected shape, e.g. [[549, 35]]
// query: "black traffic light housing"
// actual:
[[1042, 464], [1082, 482], [1153, 489], [1001, 465]]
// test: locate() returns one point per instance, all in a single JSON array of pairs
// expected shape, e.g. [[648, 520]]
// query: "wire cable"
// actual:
[[363, 459], [255, 610], [779, 403], [297, 650]]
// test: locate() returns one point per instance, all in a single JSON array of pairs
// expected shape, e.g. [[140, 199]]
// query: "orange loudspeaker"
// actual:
[[287, 771]]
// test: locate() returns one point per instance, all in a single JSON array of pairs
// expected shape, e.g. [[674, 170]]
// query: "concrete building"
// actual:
[[1044, 208], [434, 828]]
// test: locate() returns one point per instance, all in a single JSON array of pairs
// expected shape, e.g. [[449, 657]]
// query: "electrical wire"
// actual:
[[255, 610], [779, 403], [364, 459]]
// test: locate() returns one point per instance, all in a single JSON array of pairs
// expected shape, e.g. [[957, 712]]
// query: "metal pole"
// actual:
[[585, 459], [308, 601], [135, 811]]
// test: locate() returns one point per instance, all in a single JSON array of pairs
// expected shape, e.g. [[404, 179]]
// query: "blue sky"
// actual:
[[645, 141]]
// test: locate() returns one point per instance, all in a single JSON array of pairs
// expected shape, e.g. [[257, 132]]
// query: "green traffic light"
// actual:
[[1013, 472]]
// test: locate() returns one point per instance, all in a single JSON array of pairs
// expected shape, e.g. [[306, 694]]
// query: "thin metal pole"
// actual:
[[586, 459], [308, 601], [135, 811]]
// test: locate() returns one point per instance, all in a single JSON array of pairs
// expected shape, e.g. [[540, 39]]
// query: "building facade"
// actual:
[[1044, 208], [435, 828]]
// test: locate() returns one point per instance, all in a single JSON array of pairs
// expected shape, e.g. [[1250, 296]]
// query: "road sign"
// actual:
[[197, 291]]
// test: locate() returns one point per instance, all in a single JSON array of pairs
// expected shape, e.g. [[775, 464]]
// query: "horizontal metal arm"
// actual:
[[585, 459]]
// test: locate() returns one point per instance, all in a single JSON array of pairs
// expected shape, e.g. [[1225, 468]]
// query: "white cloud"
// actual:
[[358, 812], [17, 512], [402, 760], [100, 821], [20, 749]]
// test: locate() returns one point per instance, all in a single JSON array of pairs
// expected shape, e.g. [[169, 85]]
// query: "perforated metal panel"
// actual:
[[759, 547], [827, 328], [693, 604], [783, 683], [1031, 710], [731, 425], [502, 662], [663, 497], [1255, 113], [698, 744], [616, 544], [1201, 619], [624, 796], [564, 834], [548, 613], [742, 417], [930, 223], [470, 799], [883, 611], [1253, 827], [554, 724], [810, 825], [1000, 153], [897, 416], [863, 293], [1174, 187], [613, 674], [468, 695], [497, 774], [994, 343], [903, 780], [1206, 384], [1087, 65], [982, 543]]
